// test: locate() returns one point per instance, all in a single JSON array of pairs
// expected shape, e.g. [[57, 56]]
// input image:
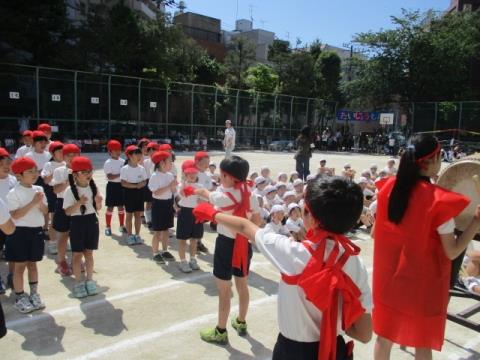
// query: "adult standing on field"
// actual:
[[229, 140], [304, 152]]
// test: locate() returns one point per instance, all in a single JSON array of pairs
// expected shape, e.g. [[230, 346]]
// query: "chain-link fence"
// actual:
[[92, 108]]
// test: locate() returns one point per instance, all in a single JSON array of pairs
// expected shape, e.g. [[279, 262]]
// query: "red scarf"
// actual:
[[323, 282], [240, 246]]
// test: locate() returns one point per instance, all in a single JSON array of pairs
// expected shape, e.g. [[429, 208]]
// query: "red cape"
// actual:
[[411, 273]]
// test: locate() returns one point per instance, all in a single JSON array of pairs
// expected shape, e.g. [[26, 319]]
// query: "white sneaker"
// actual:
[[193, 264], [36, 301], [23, 304], [185, 267], [52, 247]]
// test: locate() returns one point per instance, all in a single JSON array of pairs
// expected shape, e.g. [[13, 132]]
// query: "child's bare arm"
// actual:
[[203, 193], [361, 329], [113, 176], [238, 225]]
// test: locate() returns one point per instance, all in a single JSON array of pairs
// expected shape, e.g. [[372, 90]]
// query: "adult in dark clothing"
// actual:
[[304, 153]]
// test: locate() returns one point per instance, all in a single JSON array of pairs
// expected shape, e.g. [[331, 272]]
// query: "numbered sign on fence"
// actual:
[[123, 102], [14, 95], [386, 118], [56, 97], [153, 104], [94, 100]]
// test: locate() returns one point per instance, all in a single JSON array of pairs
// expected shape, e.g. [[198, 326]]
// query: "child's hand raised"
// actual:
[[83, 200], [38, 197], [98, 199]]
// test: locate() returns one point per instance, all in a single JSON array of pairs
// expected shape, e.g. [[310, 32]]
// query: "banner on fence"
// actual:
[[346, 115]]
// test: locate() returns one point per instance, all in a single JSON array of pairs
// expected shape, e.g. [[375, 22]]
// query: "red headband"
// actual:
[[429, 155]]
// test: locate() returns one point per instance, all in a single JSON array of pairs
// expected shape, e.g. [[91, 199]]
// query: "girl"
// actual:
[[56, 161], [61, 222], [265, 172], [133, 178], [27, 144], [168, 148], [187, 227], [282, 177], [162, 184], [24, 248], [276, 218], [270, 198], [281, 189], [252, 176], [294, 222], [81, 202], [47, 130], [413, 248], [147, 152], [298, 188], [114, 197], [293, 176]]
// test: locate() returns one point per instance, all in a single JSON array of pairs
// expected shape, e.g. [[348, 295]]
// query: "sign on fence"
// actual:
[[346, 115], [56, 97], [123, 102], [14, 95], [386, 118], [95, 100], [153, 104]]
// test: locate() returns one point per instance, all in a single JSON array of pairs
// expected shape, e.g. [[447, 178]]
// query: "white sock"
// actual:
[[148, 215]]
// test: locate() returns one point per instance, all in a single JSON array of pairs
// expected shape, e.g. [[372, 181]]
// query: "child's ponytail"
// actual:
[[94, 189], [74, 189]]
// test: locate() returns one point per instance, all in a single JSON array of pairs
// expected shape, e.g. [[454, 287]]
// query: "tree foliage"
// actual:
[[240, 56], [262, 78]]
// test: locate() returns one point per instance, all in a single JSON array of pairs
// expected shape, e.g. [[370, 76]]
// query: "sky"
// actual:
[[332, 22]]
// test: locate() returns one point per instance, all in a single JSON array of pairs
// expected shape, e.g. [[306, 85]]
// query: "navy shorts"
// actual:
[[162, 214], [25, 244], [114, 195], [147, 194], [3, 237], [84, 232], [3, 328], [222, 259], [134, 200], [187, 228], [61, 222]]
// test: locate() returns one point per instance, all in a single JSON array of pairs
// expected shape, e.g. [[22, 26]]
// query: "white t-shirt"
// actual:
[[133, 175], [49, 169], [448, 227], [40, 158], [69, 200], [298, 318], [229, 138], [277, 228], [294, 225], [22, 151], [6, 185], [60, 176], [149, 166], [20, 196], [4, 213], [205, 180], [160, 180], [220, 200], [113, 167], [191, 201], [390, 171]]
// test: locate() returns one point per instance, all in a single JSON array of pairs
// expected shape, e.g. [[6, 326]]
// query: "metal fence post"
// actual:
[[236, 108], [291, 116], [139, 115], [109, 106], [191, 114], [215, 111], [257, 95], [413, 116], [37, 80], [435, 119], [460, 114], [274, 115], [166, 109], [75, 104]]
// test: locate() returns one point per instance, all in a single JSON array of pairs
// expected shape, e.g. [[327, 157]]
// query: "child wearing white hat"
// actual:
[[294, 222], [275, 225]]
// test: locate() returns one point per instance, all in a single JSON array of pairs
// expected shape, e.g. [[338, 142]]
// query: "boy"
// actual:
[[202, 162], [27, 144]]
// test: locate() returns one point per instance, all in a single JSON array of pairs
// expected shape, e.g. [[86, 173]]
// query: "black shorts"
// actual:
[[162, 214], [186, 226], [61, 222], [114, 195], [84, 232], [134, 200], [25, 244], [222, 259], [147, 194], [3, 328], [3, 237]]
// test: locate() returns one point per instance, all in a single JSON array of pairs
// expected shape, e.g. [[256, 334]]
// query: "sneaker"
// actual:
[[91, 287], [123, 230], [214, 336], [240, 327], [185, 267], [37, 302], [202, 248], [10, 281], [52, 247], [168, 256], [131, 240], [138, 240], [79, 290], [193, 264], [108, 231], [159, 259], [3, 289], [23, 304], [63, 269]]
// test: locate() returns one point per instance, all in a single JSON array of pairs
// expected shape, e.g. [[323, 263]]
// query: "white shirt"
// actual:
[[191, 201], [60, 176], [294, 225], [220, 200], [133, 175], [229, 138], [149, 166], [49, 169], [298, 318], [40, 158], [113, 167], [4, 213], [448, 227], [390, 171], [160, 180], [205, 180], [6, 185], [277, 228], [69, 200], [22, 151], [21, 196], [173, 170]]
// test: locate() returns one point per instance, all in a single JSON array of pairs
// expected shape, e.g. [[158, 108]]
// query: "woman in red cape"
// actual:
[[413, 249]]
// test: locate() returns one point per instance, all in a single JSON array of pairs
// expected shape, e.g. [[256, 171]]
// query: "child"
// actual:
[[308, 295], [27, 144], [288, 198], [282, 177], [202, 160], [133, 178], [81, 202], [162, 184], [56, 161], [61, 222], [7, 227], [265, 172], [168, 148], [281, 190], [390, 169], [149, 166], [211, 172], [270, 198], [293, 176], [187, 227], [24, 248], [374, 171], [114, 191], [260, 185], [146, 216], [252, 176], [275, 225], [264, 213], [47, 130], [295, 222], [298, 188]]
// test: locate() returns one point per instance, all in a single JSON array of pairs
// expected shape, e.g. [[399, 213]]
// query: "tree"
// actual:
[[262, 78], [297, 75], [240, 56], [327, 75]]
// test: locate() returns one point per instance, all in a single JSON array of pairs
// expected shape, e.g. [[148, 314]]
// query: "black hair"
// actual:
[[235, 166], [40, 138], [93, 187], [306, 131], [408, 175], [138, 151], [335, 202]]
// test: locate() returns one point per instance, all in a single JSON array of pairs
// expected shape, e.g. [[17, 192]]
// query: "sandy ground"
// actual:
[[149, 311]]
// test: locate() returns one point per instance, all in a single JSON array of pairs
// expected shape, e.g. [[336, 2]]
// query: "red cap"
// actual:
[[201, 155], [71, 149], [114, 145], [21, 164], [45, 127], [188, 163], [27, 133], [131, 148], [39, 134], [4, 152], [165, 147], [143, 141], [190, 170], [153, 145], [54, 146], [160, 156], [81, 163]]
